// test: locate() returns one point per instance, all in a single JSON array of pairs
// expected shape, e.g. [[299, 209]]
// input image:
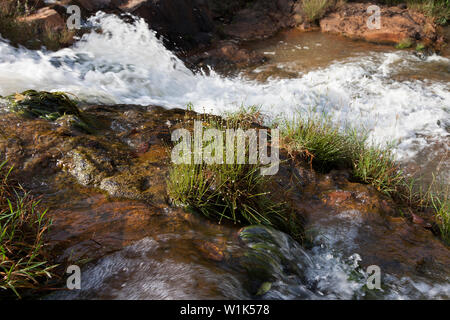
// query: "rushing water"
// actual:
[[394, 94], [126, 64]]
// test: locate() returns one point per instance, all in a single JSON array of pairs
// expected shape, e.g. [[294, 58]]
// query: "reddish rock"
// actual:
[[47, 18], [420, 221], [396, 24], [337, 197]]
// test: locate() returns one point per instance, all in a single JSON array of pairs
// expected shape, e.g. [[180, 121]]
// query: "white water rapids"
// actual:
[[126, 63]]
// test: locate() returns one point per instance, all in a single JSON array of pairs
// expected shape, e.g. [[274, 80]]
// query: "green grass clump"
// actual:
[[23, 263], [439, 10], [318, 140], [42, 104], [231, 192], [245, 115], [315, 9], [375, 165], [326, 146], [441, 206]]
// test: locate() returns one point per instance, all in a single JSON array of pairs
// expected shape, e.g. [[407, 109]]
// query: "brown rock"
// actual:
[[396, 24]]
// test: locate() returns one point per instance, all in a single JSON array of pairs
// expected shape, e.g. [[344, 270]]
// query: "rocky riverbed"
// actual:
[[103, 172]]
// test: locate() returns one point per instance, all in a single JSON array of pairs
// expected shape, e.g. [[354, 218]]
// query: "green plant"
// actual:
[[234, 192], [441, 206], [326, 146], [318, 140], [315, 9], [404, 44], [439, 10], [245, 115], [42, 104], [23, 263], [375, 165], [420, 47]]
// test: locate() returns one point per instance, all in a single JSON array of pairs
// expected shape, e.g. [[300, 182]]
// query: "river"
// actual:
[[396, 95]]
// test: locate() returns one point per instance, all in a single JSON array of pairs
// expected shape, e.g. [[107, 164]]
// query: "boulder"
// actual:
[[397, 24], [185, 23]]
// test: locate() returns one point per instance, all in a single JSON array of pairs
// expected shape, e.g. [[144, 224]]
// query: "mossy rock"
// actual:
[[42, 104], [405, 44], [268, 257]]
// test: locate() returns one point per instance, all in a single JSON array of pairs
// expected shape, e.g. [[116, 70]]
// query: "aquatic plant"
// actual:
[[42, 104]]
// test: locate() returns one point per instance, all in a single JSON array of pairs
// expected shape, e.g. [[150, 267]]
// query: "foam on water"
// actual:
[[126, 63]]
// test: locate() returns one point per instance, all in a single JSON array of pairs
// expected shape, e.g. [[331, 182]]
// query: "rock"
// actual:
[[270, 256], [87, 166], [184, 23], [227, 56], [46, 19], [261, 20], [210, 250], [420, 221], [396, 24]]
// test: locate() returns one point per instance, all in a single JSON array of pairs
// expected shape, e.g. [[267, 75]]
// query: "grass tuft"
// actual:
[[315, 9], [231, 192], [404, 44], [23, 263], [439, 10], [326, 146]]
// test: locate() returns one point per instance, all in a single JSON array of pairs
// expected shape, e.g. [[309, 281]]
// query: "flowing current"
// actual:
[[127, 64]]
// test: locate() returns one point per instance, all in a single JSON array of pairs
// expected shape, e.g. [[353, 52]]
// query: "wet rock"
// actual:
[[397, 24], [88, 167], [227, 56], [445, 124], [269, 257], [261, 19]]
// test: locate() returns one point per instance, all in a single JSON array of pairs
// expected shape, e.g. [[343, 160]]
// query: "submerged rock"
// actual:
[[272, 256]]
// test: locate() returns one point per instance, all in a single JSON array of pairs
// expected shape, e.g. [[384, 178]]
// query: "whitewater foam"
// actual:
[[126, 63]]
